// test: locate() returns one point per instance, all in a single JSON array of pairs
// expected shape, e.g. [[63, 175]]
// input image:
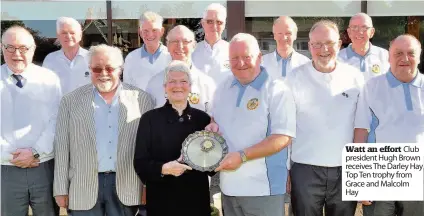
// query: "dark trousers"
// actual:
[[369, 209], [23, 187], [108, 202], [315, 188], [399, 208]]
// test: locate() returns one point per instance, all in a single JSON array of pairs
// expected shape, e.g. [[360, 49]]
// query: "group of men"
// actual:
[[68, 128]]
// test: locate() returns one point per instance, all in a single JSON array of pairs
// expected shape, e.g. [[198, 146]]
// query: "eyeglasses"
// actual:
[[175, 82], [243, 58], [184, 42], [320, 45], [359, 28], [12, 49], [98, 70], [218, 22]]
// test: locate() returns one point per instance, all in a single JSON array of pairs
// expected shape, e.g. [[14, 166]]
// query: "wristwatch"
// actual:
[[243, 156], [35, 153]]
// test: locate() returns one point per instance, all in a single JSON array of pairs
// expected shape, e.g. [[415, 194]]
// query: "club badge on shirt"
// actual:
[[226, 64], [87, 74], [194, 98], [252, 104], [375, 68]]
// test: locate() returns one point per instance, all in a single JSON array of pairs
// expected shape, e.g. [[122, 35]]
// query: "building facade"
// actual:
[[116, 22]]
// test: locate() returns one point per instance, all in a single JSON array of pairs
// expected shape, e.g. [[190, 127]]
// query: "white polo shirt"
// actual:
[[325, 112], [374, 63], [72, 74], [202, 89], [246, 115], [213, 61], [140, 66], [399, 108], [279, 67]]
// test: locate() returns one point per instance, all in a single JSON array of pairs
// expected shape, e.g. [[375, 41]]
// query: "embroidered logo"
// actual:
[[346, 95], [252, 104], [87, 74], [194, 98], [226, 64], [375, 68]]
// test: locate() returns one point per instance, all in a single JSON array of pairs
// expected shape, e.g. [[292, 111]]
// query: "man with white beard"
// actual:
[[95, 141], [326, 92]]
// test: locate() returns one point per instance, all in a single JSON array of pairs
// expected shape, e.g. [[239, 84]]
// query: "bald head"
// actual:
[[180, 30], [285, 21], [404, 57], [18, 31]]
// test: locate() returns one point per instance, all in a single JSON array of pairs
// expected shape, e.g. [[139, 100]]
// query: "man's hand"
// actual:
[[213, 127], [288, 184], [175, 168], [24, 158], [62, 201], [231, 161]]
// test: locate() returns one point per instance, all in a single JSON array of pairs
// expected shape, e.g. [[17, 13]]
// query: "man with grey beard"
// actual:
[[95, 137]]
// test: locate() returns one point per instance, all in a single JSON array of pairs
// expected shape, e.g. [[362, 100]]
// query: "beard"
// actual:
[[104, 84]]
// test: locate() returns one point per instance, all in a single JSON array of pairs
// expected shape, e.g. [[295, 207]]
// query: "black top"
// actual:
[[160, 136]]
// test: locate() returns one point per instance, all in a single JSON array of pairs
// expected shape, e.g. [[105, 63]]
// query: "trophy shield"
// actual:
[[204, 150]]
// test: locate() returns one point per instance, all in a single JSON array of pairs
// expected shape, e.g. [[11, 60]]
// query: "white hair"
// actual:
[[219, 8], [364, 15], [289, 20], [15, 30], [177, 66], [190, 34], [114, 53], [152, 17], [250, 40], [67, 20]]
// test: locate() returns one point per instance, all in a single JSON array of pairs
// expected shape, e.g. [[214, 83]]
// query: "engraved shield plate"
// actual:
[[204, 150]]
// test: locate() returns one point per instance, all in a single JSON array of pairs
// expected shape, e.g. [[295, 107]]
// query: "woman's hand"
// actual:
[[175, 168]]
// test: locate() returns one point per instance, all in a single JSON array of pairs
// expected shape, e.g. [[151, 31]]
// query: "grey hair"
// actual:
[[152, 17], [289, 20], [219, 8], [181, 28], [177, 66], [364, 15], [410, 37], [67, 20], [18, 29], [325, 23], [114, 53], [250, 40]]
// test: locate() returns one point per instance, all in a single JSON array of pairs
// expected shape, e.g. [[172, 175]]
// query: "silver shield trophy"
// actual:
[[204, 150]]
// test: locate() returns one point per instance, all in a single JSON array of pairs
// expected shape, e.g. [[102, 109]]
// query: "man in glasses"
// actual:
[[70, 62], [30, 97], [371, 60], [95, 138], [211, 54], [181, 42], [150, 59], [326, 93]]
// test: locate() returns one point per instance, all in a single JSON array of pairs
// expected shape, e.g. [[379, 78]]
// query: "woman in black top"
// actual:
[[172, 188]]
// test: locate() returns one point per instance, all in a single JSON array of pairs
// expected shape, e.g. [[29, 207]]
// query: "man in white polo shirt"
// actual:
[[256, 116], [69, 63], [181, 42], [284, 59], [371, 60], [150, 59], [396, 99], [326, 93], [211, 54]]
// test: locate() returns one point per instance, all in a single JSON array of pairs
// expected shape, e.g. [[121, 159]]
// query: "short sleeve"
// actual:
[[363, 114], [282, 110]]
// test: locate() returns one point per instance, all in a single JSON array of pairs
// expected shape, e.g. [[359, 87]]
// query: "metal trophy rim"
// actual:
[[212, 135]]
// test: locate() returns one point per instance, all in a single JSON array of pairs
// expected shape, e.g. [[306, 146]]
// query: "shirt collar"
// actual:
[[24, 73], [350, 53], [144, 52], [172, 114], [257, 83], [79, 53], [418, 81], [279, 57], [216, 44]]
